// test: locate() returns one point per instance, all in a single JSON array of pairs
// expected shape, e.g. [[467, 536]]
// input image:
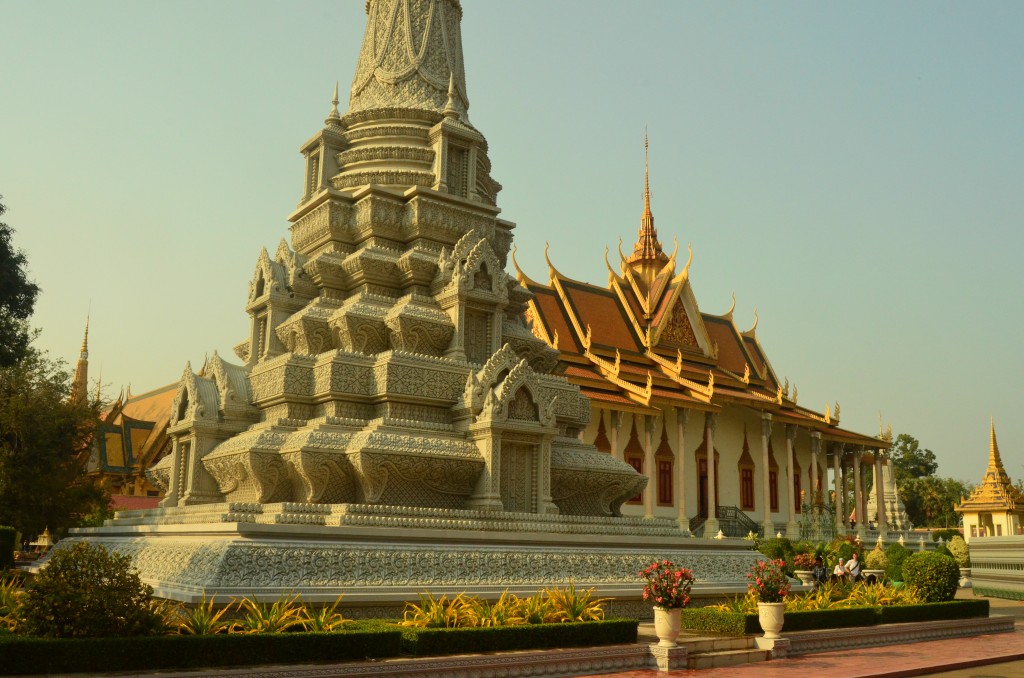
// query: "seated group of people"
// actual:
[[845, 570]]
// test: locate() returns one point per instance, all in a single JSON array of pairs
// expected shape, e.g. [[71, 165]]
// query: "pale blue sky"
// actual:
[[853, 171]]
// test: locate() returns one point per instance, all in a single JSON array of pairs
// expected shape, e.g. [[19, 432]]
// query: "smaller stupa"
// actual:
[[996, 506]]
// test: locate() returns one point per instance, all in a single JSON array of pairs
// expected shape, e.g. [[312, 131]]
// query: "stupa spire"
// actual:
[[412, 50], [81, 381], [995, 462], [333, 115], [647, 248]]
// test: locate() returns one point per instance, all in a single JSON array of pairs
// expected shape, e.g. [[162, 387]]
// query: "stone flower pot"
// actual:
[[965, 577], [770, 615], [666, 625], [879, 574], [806, 577]]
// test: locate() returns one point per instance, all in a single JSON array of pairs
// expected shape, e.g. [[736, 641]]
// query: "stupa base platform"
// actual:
[[379, 556]]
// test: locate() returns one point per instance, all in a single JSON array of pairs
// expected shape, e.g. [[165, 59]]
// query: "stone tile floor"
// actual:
[[992, 656]]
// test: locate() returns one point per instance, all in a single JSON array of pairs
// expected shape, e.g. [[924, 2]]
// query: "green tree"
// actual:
[[929, 500], [43, 438], [910, 460], [17, 298]]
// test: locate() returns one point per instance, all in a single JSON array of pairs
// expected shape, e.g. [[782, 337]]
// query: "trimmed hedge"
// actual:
[[837, 618], [7, 535], [425, 642], [713, 621], [737, 624], [953, 609], [936, 576], [102, 655]]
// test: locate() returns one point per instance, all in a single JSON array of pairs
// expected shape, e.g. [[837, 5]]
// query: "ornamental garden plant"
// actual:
[[767, 581], [666, 585]]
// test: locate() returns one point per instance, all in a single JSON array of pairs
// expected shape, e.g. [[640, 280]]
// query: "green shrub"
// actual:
[[961, 553], [945, 535], [876, 560], [936, 576], [779, 548], [715, 621], [953, 609], [7, 536], [105, 655], [87, 592], [895, 554], [425, 642]]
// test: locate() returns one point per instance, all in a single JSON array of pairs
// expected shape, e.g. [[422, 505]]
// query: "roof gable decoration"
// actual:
[[195, 399], [673, 371], [506, 387], [471, 266], [610, 371]]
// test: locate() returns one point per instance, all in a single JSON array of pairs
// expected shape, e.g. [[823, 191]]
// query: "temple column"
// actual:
[[792, 529], [681, 516], [766, 431], [880, 495], [616, 427], [837, 479], [652, 473], [858, 494], [846, 508], [711, 526], [815, 477]]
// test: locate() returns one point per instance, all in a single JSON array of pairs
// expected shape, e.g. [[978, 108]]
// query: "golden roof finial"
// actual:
[[84, 353], [647, 250], [993, 447]]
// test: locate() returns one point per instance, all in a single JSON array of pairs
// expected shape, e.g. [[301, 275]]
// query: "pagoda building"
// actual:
[[996, 506], [668, 383]]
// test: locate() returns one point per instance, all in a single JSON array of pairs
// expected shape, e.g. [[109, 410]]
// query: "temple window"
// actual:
[[747, 489], [746, 469], [773, 490], [634, 456], [664, 482]]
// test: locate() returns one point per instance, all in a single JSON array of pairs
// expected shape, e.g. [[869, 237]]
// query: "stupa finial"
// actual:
[[334, 115], [647, 249], [449, 108]]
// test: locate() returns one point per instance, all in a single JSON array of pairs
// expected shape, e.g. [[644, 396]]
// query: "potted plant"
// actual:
[[802, 564], [876, 562], [668, 587], [768, 582]]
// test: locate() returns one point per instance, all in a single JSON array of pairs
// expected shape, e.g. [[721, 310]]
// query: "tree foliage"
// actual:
[[910, 460], [929, 500], [43, 435], [17, 298]]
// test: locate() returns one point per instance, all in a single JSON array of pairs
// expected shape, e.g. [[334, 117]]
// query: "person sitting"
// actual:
[[818, 572], [853, 567], [840, 569]]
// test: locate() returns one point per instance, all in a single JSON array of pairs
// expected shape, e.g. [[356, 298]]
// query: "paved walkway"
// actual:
[[994, 656]]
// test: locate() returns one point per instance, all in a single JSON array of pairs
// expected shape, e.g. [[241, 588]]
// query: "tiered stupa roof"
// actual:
[[995, 493]]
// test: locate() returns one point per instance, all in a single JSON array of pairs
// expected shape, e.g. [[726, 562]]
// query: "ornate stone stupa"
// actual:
[[393, 426], [896, 518]]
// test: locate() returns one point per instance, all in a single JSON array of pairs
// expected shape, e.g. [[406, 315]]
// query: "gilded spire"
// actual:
[[80, 385], [648, 259], [995, 463]]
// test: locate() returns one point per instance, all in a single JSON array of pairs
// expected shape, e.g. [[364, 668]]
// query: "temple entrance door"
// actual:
[[518, 492]]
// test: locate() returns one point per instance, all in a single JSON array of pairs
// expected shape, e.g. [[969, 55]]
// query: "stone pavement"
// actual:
[[991, 656]]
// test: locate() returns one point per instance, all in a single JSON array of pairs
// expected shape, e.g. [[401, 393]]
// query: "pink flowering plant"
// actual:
[[667, 585], [803, 561], [768, 582]]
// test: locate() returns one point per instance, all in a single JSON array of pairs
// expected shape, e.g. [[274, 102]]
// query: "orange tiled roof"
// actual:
[[730, 350], [602, 312]]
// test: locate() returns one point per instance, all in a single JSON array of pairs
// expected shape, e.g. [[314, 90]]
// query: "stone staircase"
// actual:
[[709, 650], [718, 651]]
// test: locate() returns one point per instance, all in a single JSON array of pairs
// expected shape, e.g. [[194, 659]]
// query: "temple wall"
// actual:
[[997, 566]]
